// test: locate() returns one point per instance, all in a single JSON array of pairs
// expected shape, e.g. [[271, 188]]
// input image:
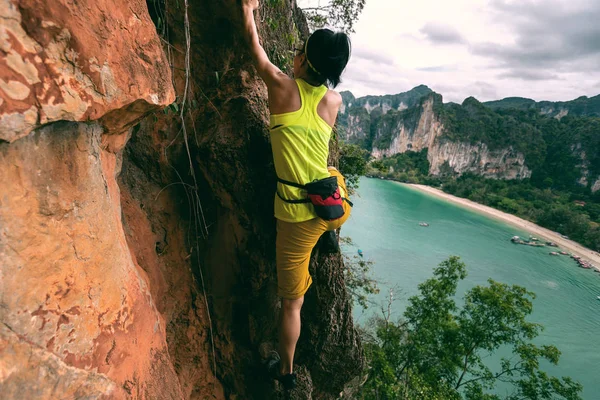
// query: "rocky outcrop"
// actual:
[[477, 159], [422, 127], [587, 171], [358, 116], [596, 185], [357, 126], [63, 60], [138, 262], [31, 372], [70, 285], [407, 135]]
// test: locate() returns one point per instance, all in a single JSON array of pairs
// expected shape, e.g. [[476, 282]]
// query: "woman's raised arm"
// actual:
[[266, 69]]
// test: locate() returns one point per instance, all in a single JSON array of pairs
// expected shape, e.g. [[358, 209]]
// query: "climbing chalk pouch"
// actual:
[[324, 194]]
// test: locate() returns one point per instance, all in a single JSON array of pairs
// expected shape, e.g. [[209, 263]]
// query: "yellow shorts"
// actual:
[[295, 241]]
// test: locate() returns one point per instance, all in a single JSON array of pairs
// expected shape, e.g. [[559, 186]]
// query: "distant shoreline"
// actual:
[[566, 244]]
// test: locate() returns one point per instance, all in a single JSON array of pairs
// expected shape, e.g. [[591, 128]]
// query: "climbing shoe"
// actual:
[[274, 366], [328, 243]]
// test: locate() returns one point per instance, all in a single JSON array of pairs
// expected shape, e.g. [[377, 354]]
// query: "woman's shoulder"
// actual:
[[285, 97], [333, 98]]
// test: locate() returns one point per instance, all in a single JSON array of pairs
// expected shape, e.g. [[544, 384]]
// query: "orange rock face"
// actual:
[[78, 318], [70, 286], [78, 61]]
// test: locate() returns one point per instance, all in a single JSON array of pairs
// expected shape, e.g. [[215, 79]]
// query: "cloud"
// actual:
[[550, 35], [438, 68], [440, 33], [385, 79], [371, 55], [529, 75]]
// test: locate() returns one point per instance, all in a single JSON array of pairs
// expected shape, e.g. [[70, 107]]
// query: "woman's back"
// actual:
[[300, 143]]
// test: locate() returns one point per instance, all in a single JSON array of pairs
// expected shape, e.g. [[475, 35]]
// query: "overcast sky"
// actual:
[[489, 49]]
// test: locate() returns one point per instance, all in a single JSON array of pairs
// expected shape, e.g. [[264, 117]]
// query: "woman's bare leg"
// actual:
[[289, 332]]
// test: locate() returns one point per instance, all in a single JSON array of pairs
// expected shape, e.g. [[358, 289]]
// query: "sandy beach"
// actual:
[[535, 230]]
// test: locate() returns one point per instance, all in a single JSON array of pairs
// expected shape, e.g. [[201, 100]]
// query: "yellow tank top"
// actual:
[[300, 143]]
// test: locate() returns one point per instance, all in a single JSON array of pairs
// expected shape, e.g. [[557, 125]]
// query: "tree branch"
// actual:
[[465, 366], [498, 375]]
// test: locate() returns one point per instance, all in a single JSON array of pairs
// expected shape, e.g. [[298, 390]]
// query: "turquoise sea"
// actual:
[[385, 226]]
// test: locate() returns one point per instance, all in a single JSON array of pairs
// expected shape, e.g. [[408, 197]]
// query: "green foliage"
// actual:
[[353, 164], [409, 167], [438, 350], [357, 277], [520, 103], [358, 281], [582, 106], [341, 14]]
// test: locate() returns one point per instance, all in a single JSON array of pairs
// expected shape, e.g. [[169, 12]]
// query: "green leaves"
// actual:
[[341, 14], [353, 164], [409, 167], [438, 350], [358, 281]]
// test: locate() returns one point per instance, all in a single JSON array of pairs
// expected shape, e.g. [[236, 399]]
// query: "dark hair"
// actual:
[[327, 54]]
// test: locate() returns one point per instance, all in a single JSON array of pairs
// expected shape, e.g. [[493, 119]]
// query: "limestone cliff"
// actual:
[[588, 173], [478, 159], [421, 127], [407, 131], [136, 239]]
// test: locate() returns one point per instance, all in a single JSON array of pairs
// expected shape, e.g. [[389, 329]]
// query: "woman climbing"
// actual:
[[303, 112]]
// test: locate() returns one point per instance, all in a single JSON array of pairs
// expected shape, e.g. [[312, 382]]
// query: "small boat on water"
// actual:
[[423, 224], [553, 253], [360, 252], [564, 253], [551, 244], [518, 240], [533, 239]]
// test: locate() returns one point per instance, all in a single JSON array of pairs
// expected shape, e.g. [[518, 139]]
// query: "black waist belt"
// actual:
[[299, 186], [296, 185]]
